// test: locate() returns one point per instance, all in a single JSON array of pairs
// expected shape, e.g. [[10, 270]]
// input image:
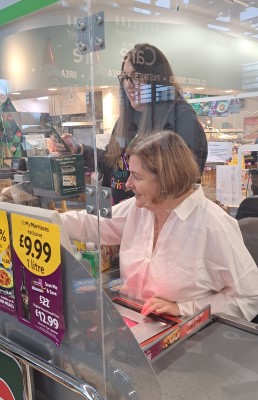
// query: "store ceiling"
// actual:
[[231, 17], [238, 18]]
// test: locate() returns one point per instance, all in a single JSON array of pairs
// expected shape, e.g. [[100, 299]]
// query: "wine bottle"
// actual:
[[58, 137], [25, 298]]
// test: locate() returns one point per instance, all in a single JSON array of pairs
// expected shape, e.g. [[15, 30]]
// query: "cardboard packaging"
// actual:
[[56, 175]]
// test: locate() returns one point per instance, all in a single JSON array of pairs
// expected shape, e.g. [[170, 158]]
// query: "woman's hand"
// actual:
[[69, 140], [160, 306]]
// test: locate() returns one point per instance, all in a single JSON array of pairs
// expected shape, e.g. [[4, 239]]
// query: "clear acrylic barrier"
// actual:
[[61, 66], [91, 352]]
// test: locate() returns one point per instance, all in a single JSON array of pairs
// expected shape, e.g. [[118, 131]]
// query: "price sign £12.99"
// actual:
[[38, 279]]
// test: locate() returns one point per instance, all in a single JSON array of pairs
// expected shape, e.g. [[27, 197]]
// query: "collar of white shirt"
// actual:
[[184, 209]]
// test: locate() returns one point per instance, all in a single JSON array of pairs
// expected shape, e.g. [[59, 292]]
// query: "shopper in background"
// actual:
[[254, 154], [150, 101], [179, 251], [254, 171]]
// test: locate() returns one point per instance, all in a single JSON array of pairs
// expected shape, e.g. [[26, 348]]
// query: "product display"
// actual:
[[56, 176]]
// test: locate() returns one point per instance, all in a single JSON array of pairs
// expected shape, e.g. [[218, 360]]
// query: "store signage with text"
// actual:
[[11, 10], [38, 277], [7, 297]]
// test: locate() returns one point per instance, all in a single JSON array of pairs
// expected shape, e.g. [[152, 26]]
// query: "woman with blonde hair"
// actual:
[[179, 251]]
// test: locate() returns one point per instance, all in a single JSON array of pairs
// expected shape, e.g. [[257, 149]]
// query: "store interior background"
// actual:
[[211, 45], [213, 49]]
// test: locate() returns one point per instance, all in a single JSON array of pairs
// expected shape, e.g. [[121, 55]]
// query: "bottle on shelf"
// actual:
[[92, 256], [25, 298], [76, 253]]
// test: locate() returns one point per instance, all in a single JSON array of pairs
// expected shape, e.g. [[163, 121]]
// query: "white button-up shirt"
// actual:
[[199, 258]]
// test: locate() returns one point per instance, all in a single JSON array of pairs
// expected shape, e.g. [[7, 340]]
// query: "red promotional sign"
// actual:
[[251, 127], [5, 391], [11, 378]]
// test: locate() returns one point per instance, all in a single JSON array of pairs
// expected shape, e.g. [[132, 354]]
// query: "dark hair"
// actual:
[[166, 154], [149, 61], [155, 70]]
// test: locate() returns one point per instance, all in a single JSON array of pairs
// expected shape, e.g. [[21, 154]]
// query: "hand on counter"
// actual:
[[160, 306]]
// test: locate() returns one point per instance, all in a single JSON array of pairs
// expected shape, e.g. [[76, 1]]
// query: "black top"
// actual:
[[182, 120], [254, 154]]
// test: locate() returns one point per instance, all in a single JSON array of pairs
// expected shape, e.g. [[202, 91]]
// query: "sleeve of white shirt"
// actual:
[[232, 273], [84, 227]]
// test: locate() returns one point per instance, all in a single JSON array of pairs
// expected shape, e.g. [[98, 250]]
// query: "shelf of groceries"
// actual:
[[231, 134]]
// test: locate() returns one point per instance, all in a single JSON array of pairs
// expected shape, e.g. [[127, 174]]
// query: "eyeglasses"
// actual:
[[135, 79]]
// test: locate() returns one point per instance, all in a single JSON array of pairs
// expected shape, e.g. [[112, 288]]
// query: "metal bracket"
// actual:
[[91, 199], [102, 197], [105, 202], [85, 26]]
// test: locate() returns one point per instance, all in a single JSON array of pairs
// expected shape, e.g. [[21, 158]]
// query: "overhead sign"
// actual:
[[11, 10]]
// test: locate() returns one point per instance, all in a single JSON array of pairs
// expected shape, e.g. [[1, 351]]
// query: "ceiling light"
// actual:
[[229, 91], [242, 3], [42, 98], [218, 27], [16, 92], [199, 88], [52, 89]]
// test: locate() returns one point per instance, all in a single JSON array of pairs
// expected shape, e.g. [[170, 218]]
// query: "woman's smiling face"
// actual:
[[143, 183], [132, 90]]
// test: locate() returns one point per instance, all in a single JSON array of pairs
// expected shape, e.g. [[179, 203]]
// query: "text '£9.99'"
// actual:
[[35, 248]]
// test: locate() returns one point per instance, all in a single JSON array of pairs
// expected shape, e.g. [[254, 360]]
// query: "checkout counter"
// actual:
[[218, 362], [100, 358]]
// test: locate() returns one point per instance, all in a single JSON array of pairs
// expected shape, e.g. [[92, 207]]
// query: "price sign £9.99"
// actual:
[[37, 244]]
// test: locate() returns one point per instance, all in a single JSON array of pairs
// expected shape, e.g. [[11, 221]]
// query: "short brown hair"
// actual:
[[167, 155]]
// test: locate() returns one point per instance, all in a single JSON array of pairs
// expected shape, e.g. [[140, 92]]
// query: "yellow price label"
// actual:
[[37, 244], [5, 251]]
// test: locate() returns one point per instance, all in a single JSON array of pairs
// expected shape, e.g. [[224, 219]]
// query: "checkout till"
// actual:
[[95, 344]]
